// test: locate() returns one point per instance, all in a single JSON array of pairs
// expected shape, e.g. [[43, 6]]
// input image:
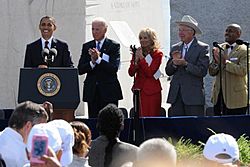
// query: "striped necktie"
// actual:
[[98, 46]]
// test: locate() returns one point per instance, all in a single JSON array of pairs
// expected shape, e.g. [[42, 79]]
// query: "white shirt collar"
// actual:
[[230, 47], [189, 44], [49, 40], [13, 133], [234, 44], [101, 42]]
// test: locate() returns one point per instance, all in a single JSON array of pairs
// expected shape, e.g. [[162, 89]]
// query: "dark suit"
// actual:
[[186, 93], [33, 55], [101, 85]]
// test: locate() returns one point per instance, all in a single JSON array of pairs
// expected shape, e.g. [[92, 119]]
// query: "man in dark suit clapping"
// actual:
[[100, 60], [34, 56]]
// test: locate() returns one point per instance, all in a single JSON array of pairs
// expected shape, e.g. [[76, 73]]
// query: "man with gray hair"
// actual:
[[188, 64], [13, 139], [100, 60], [156, 152]]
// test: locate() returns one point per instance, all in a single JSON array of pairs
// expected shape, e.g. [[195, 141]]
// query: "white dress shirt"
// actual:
[[185, 48], [12, 148], [49, 44], [230, 49]]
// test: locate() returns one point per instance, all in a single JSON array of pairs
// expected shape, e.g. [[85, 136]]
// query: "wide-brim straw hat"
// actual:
[[190, 22]]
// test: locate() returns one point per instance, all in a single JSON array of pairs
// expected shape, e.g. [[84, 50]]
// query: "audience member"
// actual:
[[49, 109], [188, 65], [145, 66], [156, 152], [67, 135], [34, 52], [50, 160], [82, 144], [107, 150], [230, 96], [13, 139], [100, 60], [54, 143], [221, 150]]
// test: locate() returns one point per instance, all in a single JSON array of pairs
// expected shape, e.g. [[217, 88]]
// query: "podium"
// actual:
[[60, 86]]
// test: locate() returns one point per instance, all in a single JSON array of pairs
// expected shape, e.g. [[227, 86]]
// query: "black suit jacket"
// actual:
[[104, 74], [33, 55]]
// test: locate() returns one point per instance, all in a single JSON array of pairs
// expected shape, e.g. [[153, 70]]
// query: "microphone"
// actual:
[[53, 54], [241, 42], [216, 44], [133, 48], [45, 54]]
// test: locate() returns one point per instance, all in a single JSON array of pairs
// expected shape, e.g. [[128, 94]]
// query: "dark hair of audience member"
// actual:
[[82, 137], [110, 123], [27, 111]]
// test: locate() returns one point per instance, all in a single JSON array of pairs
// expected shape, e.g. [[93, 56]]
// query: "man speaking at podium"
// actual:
[[47, 51]]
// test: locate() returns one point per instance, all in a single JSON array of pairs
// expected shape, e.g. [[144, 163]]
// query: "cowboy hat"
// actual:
[[190, 22]]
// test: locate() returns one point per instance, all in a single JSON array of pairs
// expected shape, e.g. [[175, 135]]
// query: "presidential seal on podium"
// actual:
[[48, 84]]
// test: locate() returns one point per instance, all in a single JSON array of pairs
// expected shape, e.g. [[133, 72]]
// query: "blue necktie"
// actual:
[[98, 47], [186, 50]]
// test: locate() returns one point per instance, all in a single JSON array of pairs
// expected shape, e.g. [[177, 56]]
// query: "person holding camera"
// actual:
[[144, 66], [47, 51]]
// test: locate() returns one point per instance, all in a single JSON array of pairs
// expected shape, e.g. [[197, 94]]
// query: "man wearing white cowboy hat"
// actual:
[[188, 65]]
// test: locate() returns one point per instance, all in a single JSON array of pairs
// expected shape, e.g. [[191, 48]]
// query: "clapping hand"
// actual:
[[95, 54], [177, 58]]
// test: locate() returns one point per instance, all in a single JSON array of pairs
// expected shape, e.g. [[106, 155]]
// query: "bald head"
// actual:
[[156, 152], [236, 26]]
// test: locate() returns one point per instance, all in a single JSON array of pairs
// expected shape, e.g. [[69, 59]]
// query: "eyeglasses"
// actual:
[[185, 30]]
